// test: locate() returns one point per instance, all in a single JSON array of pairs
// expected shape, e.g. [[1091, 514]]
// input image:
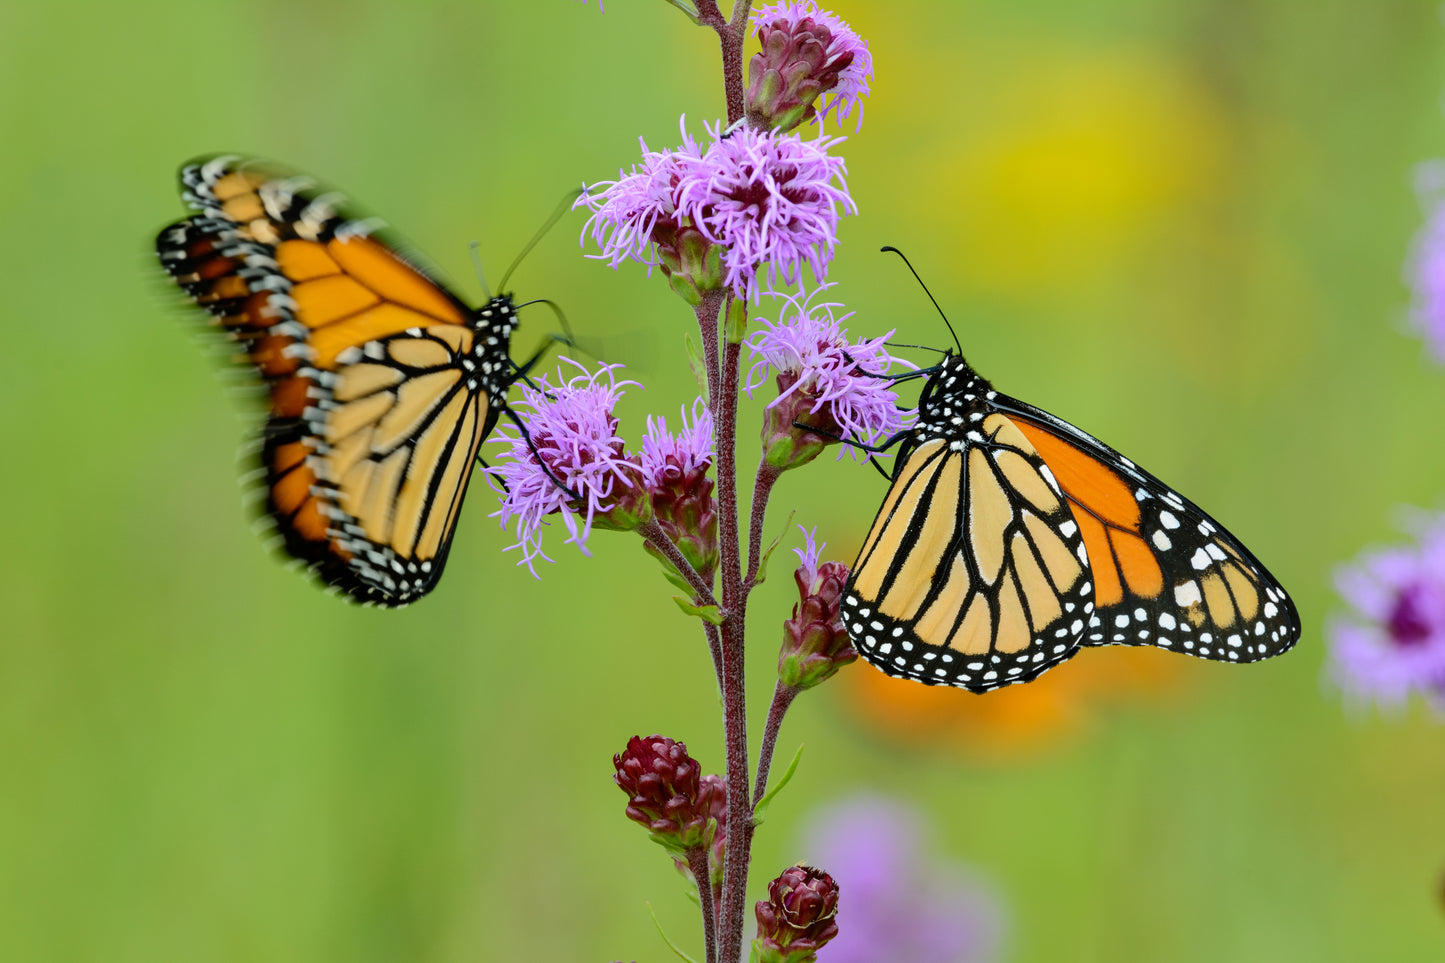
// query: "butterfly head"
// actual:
[[955, 393], [497, 318]]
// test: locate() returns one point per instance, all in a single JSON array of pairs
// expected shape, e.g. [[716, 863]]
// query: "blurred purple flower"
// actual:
[[1426, 267], [668, 458], [846, 66], [768, 199], [1393, 642], [899, 904], [572, 427], [827, 375]]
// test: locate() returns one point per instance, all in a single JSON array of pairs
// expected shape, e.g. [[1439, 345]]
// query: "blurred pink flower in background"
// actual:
[[1392, 641], [899, 900]]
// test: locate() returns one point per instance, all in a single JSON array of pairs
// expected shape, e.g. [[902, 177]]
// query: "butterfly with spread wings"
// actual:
[[380, 383], [1009, 539]]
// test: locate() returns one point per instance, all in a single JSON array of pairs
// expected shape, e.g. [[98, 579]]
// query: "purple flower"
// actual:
[[808, 51], [900, 904], [769, 200], [823, 378], [674, 469], [1426, 268], [628, 212], [1393, 642], [666, 458], [572, 427], [752, 200]]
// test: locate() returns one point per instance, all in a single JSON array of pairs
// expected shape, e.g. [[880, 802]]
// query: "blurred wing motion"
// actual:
[[380, 383], [1010, 538]]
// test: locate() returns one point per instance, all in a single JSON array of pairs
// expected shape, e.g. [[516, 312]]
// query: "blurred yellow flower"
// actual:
[[1078, 157]]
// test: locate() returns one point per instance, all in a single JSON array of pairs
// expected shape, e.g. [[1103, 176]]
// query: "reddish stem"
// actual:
[[658, 539], [782, 698], [735, 722], [762, 487], [697, 863]]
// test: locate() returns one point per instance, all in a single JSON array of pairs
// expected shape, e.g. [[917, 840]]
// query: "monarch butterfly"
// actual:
[[380, 383], [1009, 539]]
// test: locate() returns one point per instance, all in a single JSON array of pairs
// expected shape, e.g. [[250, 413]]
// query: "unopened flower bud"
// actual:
[[715, 790], [806, 52], [797, 918], [666, 793], [786, 444], [692, 264], [815, 644]]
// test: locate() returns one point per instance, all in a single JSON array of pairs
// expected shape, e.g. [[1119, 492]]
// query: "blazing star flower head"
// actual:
[[768, 199], [628, 212], [667, 458], [846, 66], [573, 429], [1393, 642], [901, 905], [809, 350], [1426, 269], [815, 643]]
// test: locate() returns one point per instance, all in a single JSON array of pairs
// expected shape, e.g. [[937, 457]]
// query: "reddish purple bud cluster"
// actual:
[[806, 52], [715, 789], [815, 644], [797, 918], [667, 793]]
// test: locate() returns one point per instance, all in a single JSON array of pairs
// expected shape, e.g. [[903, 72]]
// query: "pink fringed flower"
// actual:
[[807, 54], [573, 429], [675, 471], [1393, 641], [628, 212], [753, 202], [824, 380], [770, 201], [668, 458]]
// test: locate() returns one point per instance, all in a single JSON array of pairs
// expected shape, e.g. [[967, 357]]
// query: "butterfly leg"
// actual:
[[875, 449]]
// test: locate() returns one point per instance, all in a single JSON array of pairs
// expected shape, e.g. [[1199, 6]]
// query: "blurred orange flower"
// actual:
[[1018, 718]]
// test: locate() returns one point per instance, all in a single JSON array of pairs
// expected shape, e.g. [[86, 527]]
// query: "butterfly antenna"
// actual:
[[889, 247], [475, 248], [568, 337], [563, 206]]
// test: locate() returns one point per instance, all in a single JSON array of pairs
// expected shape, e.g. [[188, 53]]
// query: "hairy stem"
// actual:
[[782, 698], [697, 862], [714, 645], [659, 540], [740, 822], [767, 476]]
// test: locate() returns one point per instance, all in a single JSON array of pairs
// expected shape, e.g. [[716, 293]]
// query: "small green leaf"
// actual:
[[708, 613], [737, 320], [665, 938], [696, 362], [763, 562], [760, 810]]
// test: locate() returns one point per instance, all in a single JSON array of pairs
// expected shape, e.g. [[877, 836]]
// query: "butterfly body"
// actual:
[[1010, 539], [381, 384]]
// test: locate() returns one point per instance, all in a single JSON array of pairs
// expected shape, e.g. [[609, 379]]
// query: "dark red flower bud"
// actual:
[[666, 792], [715, 790], [815, 644], [797, 918]]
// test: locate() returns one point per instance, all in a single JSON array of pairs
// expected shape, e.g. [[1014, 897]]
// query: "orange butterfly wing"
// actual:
[[381, 384]]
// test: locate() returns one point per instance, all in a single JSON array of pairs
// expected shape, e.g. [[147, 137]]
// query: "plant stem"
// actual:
[[740, 822], [762, 487], [782, 698], [697, 862], [659, 540], [707, 322]]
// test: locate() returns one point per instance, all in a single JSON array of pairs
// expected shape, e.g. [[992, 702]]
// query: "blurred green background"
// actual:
[[1180, 225]]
